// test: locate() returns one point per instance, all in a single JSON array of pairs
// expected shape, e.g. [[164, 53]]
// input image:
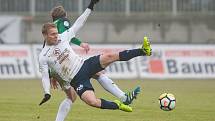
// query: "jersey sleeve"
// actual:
[[81, 21], [71, 32], [75, 41], [43, 66]]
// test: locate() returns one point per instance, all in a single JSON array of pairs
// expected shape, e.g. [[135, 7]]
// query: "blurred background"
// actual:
[[115, 21], [182, 33]]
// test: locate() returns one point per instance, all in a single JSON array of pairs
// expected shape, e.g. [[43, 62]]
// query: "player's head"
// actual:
[[58, 12], [50, 33]]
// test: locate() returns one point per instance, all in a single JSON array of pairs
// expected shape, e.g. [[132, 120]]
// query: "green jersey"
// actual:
[[64, 24]]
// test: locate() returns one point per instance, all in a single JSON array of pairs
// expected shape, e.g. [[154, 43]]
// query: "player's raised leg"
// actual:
[[146, 47], [108, 58]]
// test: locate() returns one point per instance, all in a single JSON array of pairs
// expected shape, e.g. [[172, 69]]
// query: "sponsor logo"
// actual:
[[62, 56], [56, 52], [156, 66], [66, 24], [17, 68], [201, 67], [80, 87], [153, 64]]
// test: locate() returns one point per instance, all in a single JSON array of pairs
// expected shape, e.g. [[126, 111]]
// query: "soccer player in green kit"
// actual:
[[62, 23]]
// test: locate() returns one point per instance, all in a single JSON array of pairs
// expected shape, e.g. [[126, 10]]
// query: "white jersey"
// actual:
[[60, 57]]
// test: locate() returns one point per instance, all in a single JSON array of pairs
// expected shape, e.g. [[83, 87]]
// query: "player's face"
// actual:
[[52, 36]]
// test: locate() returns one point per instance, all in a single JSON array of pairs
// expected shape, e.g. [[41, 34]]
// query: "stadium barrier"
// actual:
[[178, 61], [167, 61], [16, 62]]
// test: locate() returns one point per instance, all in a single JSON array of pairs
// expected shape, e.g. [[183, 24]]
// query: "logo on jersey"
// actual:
[[56, 52], [80, 87], [66, 24]]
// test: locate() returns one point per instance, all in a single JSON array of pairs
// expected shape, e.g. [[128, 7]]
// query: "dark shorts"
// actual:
[[81, 81]]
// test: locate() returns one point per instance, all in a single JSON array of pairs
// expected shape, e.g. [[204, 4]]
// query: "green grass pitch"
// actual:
[[195, 101]]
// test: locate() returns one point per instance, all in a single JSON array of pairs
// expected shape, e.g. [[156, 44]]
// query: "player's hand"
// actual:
[[54, 83], [45, 99], [92, 3], [85, 46]]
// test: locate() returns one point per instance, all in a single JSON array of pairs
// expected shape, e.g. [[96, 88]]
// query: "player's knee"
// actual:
[[72, 98], [71, 94], [110, 57], [97, 75]]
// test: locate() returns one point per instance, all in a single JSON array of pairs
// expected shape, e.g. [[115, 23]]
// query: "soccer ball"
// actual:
[[167, 101]]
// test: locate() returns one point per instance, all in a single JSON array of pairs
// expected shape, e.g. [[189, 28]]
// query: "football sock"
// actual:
[[64, 109], [108, 105], [111, 87], [129, 54]]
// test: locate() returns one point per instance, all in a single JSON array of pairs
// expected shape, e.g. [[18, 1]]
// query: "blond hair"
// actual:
[[58, 12], [47, 26]]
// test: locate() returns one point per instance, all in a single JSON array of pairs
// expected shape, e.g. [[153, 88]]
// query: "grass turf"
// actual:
[[194, 102]]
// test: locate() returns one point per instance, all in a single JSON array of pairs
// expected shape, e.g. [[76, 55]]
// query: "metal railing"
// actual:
[[173, 7]]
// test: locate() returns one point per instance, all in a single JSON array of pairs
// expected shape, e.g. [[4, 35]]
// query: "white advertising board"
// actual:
[[16, 62], [179, 61], [36, 51], [167, 61]]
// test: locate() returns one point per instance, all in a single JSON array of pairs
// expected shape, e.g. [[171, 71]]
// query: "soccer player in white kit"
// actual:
[[59, 17], [59, 56]]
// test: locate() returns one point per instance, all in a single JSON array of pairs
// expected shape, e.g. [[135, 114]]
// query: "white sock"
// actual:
[[111, 87], [64, 109]]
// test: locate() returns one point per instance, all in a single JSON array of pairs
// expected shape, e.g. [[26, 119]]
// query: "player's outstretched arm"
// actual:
[[45, 80], [79, 23], [82, 19], [92, 4]]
